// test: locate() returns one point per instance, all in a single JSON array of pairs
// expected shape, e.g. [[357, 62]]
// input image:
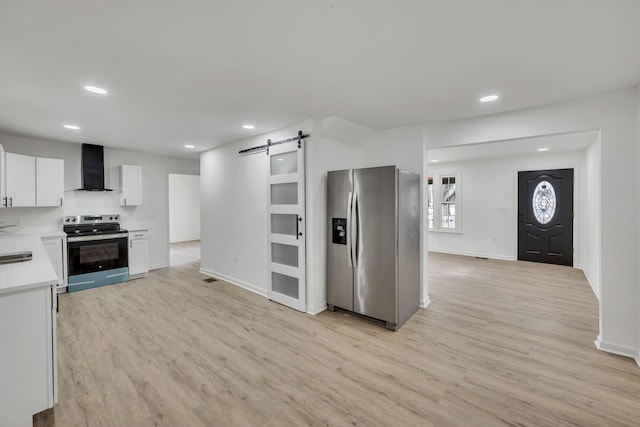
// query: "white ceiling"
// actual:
[[560, 143], [193, 71]]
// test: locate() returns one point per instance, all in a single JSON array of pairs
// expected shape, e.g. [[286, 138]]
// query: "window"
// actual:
[[448, 202], [430, 204], [446, 195], [544, 202]]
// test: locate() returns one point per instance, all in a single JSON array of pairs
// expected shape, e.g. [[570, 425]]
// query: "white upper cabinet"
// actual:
[[130, 185], [49, 182], [21, 180]]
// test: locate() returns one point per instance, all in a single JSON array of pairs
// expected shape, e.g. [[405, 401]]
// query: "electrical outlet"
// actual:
[[235, 257]]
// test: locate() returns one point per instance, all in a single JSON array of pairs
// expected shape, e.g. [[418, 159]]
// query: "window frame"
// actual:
[[437, 190]]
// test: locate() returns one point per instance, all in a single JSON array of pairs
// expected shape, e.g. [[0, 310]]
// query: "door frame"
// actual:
[[577, 219]]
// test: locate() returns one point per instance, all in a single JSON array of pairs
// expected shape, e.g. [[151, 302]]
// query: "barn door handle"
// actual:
[[298, 232]]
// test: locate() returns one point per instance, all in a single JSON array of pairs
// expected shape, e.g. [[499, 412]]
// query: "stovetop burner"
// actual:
[[88, 225]]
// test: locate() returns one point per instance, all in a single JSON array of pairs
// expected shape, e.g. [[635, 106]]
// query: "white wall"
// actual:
[[234, 201], [152, 214], [184, 207], [398, 146], [638, 207], [488, 204], [591, 231], [615, 115]]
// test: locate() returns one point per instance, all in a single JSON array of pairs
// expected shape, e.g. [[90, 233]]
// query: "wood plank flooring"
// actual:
[[502, 344]]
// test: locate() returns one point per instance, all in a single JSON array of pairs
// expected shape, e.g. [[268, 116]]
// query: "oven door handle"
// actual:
[[97, 237]]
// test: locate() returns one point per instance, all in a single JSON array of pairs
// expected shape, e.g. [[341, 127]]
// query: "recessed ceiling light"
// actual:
[[72, 127], [489, 98], [543, 149], [248, 126], [435, 161], [189, 146], [96, 89]]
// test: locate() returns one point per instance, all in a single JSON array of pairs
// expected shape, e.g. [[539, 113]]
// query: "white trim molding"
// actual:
[[593, 287], [317, 310], [185, 239], [424, 303], [236, 282], [475, 255], [618, 349]]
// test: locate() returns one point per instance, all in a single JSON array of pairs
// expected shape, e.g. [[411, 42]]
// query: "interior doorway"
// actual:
[[545, 216], [184, 219]]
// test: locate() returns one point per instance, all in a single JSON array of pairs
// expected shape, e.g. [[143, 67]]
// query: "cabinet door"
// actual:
[[131, 185], [49, 182], [54, 249], [21, 180], [27, 369], [138, 263]]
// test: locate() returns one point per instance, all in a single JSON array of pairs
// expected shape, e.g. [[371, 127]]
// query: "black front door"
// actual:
[[545, 216]]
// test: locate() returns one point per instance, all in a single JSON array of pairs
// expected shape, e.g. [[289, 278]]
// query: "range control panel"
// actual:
[[91, 219], [339, 231]]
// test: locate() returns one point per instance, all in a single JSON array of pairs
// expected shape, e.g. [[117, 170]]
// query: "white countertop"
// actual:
[[43, 232], [29, 274]]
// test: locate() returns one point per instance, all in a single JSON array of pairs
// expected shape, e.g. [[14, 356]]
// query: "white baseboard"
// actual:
[[475, 254], [593, 287], [158, 266], [233, 281], [185, 239], [317, 310], [618, 349], [424, 303]]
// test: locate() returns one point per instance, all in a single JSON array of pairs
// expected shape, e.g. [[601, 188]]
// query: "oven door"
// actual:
[[89, 254]]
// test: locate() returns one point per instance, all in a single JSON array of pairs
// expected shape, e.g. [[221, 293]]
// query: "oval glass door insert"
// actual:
[[544, 202]]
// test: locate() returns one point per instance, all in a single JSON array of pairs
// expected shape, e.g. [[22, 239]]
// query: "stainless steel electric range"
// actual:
[[97, 250]]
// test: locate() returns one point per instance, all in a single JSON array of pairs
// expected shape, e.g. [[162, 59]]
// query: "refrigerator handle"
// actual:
[[348, 230], [354, 230]]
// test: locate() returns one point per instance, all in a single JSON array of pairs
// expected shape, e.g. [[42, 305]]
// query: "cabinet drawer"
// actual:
[[138, 234]]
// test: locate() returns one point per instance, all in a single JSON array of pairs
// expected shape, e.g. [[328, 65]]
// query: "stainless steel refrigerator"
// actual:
[[373, 254]]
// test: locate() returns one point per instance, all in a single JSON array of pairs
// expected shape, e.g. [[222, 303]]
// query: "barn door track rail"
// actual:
[[270, 143]]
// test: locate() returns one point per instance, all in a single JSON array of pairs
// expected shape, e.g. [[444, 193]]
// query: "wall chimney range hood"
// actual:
[[93, 168]]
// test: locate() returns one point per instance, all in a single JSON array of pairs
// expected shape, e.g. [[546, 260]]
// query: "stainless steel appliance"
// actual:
[[373, 254], [97, 249]]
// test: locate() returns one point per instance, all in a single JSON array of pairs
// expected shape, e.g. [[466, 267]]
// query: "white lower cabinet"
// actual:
[[56, 247], [28, 355], [138, 253]]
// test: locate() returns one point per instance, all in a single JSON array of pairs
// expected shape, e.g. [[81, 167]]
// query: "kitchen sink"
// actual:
[[13, 257]]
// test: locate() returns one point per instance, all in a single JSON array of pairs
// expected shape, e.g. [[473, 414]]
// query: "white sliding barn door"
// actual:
[[286, 225]]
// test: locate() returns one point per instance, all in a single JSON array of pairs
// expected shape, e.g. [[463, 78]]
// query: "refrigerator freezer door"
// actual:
[[339, 271], [375, 284]]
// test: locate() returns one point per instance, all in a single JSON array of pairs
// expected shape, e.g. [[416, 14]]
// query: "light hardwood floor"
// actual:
[[182, 253], [502, 343]]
